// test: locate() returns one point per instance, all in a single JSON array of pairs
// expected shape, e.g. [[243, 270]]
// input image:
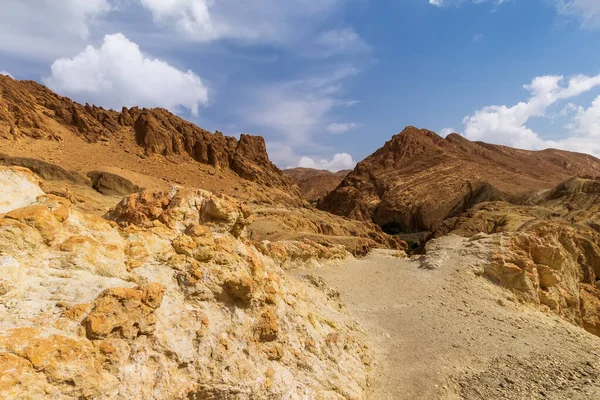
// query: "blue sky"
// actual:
[[326, 82]]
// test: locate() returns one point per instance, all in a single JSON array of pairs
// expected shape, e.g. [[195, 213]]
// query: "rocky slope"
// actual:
[[166, 298], [315, 183], [74, 148], [30, 110], [418, 179], [547, 251]]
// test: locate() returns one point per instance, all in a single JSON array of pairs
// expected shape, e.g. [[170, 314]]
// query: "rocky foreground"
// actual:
[[166, 298]]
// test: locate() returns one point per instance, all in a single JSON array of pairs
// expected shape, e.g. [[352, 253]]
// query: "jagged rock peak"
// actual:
[[28, 109]]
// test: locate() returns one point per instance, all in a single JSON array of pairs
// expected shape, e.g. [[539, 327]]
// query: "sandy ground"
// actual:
[[449, 334]]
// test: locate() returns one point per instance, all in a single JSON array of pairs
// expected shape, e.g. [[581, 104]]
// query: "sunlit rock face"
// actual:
[[165, 298]]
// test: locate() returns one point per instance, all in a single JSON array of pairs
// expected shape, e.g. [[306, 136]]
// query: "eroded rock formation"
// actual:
[[28, 109], [547, 252], [164, 299], [418, 179]]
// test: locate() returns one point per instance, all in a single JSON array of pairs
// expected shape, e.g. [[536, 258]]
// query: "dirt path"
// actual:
[[446, 333]]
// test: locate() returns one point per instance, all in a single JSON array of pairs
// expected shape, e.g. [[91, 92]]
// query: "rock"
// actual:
[[315, 183], [19, 188], [419, 179], [241, 289], [28, 109], [170, 302], [110, 184], [123, 312], [303, 224], [44, 170], [181, 210], [590, 308]]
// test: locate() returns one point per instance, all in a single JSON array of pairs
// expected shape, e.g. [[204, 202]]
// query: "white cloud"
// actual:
[[254, 21], [298, 109], [586, 10], [118, 74], [7, 74], [337, 128], [44, 29], [339, 162], [508, 125], [341, 41], [440, 3]]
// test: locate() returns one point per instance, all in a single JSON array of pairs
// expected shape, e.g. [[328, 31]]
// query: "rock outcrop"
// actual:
[[315, 183], [28, 109], [547, 252], [111, 184], [294, 224], [418, 179], [164, 299]]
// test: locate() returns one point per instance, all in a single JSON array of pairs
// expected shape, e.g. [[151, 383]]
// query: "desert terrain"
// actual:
[[145, 257]]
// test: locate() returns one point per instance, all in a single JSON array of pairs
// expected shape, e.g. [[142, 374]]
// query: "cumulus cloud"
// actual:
[[43, 29], [255, 21], [118, 74], [339, 162], [508, 124], [337, 128]]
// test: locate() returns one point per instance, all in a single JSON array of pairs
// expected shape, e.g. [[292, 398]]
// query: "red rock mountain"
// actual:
[[28, 109], [418, 179], [315, 183]]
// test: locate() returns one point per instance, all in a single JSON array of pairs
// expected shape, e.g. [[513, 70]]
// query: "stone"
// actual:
[[136, 308], [123, 312]]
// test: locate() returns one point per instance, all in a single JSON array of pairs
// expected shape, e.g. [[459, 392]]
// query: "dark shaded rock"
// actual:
[[111, 184]]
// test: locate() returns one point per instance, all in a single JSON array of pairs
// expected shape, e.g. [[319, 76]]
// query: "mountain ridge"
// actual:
[[29, 109], [417, 179]]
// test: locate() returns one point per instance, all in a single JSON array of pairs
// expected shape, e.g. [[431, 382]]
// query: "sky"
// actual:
[[326, 82]]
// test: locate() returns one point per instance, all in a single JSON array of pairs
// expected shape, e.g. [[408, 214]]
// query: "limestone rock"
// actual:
[[19, 188], [124, 312], [169, 302]]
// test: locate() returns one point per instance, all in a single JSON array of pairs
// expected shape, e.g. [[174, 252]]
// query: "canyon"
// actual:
[[145, 257]]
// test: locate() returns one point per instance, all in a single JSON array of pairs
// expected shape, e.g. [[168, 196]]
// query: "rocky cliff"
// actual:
[[315, 183], [28, 109], [546, 251], [418, 179], [165, 298]]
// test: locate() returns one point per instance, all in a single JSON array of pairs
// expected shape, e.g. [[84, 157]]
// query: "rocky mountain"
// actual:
[[419, 179], [315, 183], [28, 109], [75, 148]]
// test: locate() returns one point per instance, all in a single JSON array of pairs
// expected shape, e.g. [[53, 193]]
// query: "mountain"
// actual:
[[418, 179], [30, 110], [82, 151], [315, 183]]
